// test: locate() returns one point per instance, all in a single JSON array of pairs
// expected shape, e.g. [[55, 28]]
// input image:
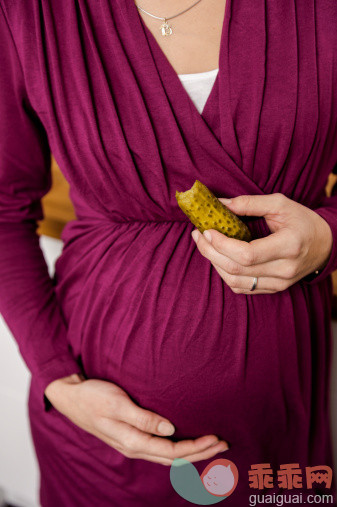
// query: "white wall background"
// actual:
[[19, 474]]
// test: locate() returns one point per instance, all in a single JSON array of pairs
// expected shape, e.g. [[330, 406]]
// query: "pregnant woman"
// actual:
[[149, 344]]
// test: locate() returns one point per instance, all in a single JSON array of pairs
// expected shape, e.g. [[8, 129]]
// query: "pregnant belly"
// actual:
[[147, 311]]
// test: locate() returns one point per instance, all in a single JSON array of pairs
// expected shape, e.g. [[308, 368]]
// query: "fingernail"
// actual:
[[208, 236], [226, 201], [165, 428], [225, 448]]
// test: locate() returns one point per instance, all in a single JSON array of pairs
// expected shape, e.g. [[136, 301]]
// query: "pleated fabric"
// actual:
[[132, 300]]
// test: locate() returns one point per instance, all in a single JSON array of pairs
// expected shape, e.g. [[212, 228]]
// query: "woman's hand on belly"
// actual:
[[300, 243], [106, 411]]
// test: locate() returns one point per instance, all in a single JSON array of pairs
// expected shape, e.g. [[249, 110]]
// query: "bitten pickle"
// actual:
[[206, 212]]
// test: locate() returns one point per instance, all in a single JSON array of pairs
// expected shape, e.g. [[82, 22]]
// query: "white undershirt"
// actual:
[[199, 86]]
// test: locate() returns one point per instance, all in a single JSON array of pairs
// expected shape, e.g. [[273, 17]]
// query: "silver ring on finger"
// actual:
[[254, 283]]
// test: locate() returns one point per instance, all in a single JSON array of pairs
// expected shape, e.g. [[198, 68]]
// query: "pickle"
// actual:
[[205, 211]]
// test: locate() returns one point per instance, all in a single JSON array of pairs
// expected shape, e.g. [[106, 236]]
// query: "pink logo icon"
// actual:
[[220, 477]]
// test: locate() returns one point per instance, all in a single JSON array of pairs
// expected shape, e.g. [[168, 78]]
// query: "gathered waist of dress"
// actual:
[[105, 226], [128, 212], [89, 216]]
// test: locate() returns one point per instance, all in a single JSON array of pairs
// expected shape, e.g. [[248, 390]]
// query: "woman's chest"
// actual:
[[108, 96]]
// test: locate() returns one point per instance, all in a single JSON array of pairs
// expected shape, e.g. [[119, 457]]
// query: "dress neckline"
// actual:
[[171, 76]]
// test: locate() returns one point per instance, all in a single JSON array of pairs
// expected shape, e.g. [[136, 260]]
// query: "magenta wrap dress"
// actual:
[[132, 300]]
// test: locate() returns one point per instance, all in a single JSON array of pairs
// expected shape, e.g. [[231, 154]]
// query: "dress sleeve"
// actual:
[[28, 302], [328, 211]]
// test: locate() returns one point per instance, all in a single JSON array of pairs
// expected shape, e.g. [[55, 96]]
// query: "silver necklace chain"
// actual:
[[165, 27], [170, 17]]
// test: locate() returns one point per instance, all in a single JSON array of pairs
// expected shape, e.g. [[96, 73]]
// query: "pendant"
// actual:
[[165, 29]]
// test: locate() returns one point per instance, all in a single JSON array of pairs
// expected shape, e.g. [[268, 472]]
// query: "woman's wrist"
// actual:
[[59, 388], [326, 243]]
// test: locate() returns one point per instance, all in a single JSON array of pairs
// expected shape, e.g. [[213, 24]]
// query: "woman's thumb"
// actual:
[[254, 205], [143, 419]]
